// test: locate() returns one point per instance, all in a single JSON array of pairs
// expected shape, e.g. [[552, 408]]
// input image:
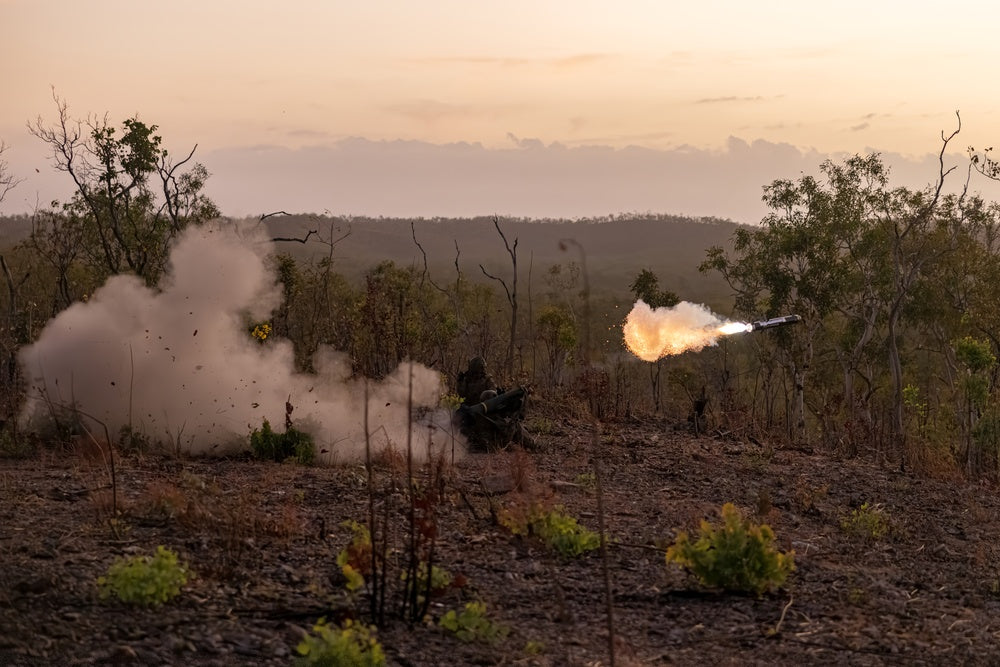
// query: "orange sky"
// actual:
[[234, 75]]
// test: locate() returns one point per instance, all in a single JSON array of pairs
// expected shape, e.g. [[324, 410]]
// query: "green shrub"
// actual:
[[145, 580], [355, 560], [440, 579], [587, 480], [472, 624], [132, 440], [560, 531], [736, 556], [868, 522], [292, 445], [15, 446], [350, 645]]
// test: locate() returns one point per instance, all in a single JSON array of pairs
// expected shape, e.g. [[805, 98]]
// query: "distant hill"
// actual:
[[14, 229], [617, 247]]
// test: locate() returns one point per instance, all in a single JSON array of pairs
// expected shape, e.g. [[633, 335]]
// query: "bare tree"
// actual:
[[914, 251], [7, 180], [511, 296], [15, 333]]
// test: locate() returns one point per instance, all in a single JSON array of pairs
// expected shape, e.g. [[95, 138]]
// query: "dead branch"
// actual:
[[426, 273], [304, 239]]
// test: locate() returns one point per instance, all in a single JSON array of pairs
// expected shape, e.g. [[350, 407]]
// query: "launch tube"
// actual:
[[782, 321]]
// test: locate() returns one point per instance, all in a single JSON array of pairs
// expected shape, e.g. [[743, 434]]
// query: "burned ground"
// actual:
[[262, 539]]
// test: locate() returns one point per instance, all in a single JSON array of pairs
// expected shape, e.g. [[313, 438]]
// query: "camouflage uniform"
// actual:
[[489, 431], [474, 381]]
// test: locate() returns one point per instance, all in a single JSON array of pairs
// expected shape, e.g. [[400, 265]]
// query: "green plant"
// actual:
[[260, 332], [736, 556], [534, 648], [355, 560], [145, 580], [350, 645], [451, 401], [292, 445], [587, 480], [472, 624], [14, 446], [440, 579], [132, 440], [540, 425], [558, 530], [857, 596], [868, 522]]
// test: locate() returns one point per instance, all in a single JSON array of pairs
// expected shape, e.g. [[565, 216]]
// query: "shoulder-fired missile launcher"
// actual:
[[782, 321]]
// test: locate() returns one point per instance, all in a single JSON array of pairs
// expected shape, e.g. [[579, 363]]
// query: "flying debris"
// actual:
[[782, 321]]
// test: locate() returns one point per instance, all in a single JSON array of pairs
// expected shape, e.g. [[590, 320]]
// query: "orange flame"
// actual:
[[654, 333]]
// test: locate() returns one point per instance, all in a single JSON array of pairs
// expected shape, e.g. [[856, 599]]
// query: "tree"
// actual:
[[7, 180], [646, 286], [818, 253], [918, 237], [14, 332], [131, 198], [557, 331], [864, 263], [511, 293]]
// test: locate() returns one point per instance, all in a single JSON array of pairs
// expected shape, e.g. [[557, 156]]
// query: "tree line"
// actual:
[[898, 290]]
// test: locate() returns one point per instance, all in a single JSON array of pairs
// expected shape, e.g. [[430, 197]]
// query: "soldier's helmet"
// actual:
[[477, 366], [488, 394]]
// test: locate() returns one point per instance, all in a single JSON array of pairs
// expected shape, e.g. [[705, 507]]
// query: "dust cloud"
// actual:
[[654, 333], [177, 364]]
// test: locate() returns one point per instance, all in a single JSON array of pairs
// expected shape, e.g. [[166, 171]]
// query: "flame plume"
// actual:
[[654, 333]]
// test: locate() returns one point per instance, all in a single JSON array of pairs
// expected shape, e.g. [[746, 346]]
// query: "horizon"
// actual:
[[551, 109]]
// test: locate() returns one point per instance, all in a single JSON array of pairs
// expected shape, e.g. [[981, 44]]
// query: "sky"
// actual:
[[559, 108]]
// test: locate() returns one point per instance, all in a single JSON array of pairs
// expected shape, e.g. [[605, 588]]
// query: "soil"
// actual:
[[261, 540]]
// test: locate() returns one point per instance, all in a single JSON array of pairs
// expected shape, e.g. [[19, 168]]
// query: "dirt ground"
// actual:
[[262, 538]]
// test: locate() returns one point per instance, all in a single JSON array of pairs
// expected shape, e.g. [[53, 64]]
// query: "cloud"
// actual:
[[582, 59], [433, 111], [527, 177], [308, 134], [618, 139], [859, 127], [526, 143], [572, 60], [729, 99]]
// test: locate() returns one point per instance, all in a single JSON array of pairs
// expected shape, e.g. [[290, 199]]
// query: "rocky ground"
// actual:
[[261, 540]]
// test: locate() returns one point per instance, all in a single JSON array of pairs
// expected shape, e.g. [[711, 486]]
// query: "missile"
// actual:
[[782, 321]]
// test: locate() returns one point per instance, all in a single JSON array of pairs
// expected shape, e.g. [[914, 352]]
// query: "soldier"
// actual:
[[494, 427], [474, 381]]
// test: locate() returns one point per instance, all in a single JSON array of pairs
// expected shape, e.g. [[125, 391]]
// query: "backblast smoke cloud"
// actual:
[[178, 365]]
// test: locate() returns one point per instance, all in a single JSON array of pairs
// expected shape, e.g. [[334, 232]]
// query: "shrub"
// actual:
[[587, 480], [292, 445], [868, 522], [145, 580], [736, 556], [440, 579], [355, 560], [15, 446], [350, 645], [261, 332], [472, 624], [560, 531]]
